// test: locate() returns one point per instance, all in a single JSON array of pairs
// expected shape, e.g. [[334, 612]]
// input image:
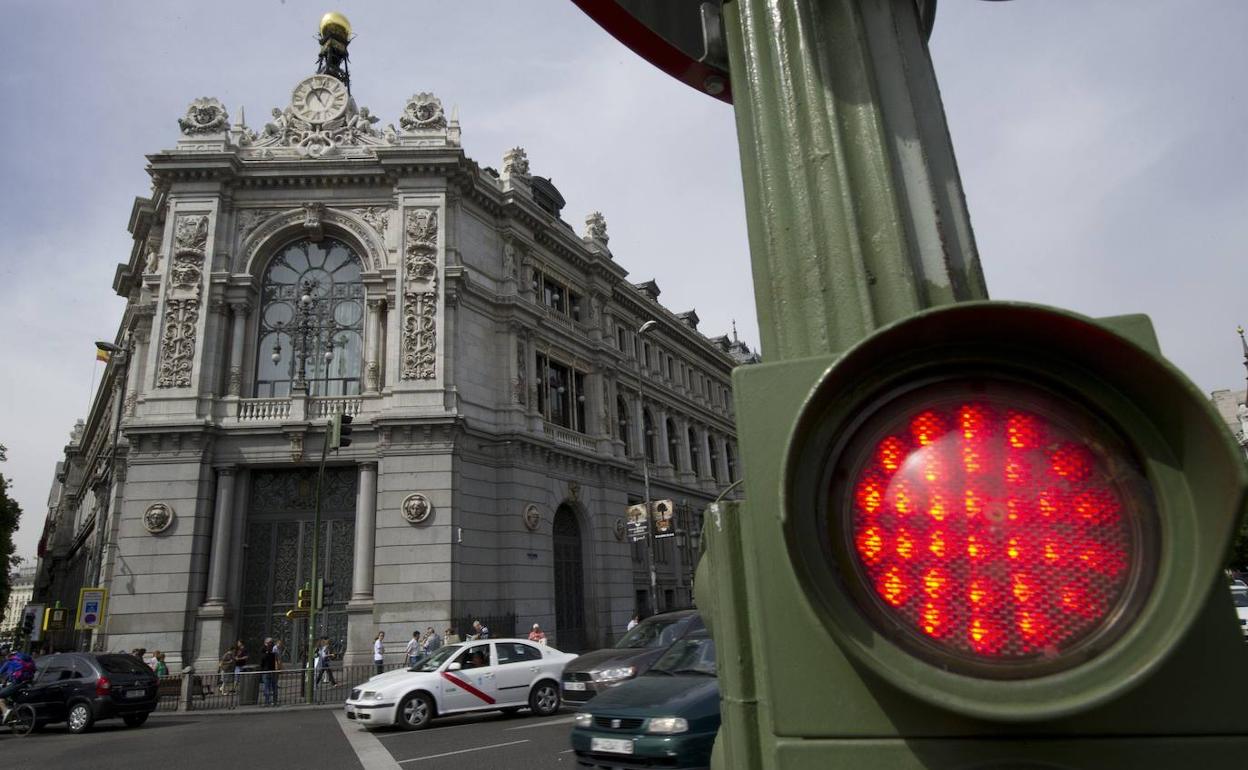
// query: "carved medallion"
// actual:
[[157, 518], [417, 509], [205, 115], [619, 530], [422, 111], [532, 517]]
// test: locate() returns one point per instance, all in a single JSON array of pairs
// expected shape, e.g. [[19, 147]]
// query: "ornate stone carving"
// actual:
[[313, 216], [296, 447], [596, 227], [420, 296], [132, 403], [532, 517], [516, 162], [422, 111], [250, 219], [417, 509], [151, 264], [291, 128], [190, 233], [619, 530], [157, 518], [372, 375], [182, 303], [375, 217], [520, 385], [574, 491], [235, 386], [205, 115]]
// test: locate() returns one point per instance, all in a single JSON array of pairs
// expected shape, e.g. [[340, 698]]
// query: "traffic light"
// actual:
[[324, 592], [303, 599], [28, 624], [993, 536], [340, 431]]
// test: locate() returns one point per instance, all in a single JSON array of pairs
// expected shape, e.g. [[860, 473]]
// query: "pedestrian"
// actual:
[[279, 651], [224, 669], [632, 623], [432, 641], [379, 652], [159, 664], [413, 648], [479, 631], [240, 660], [537, 634], [449, 636], [268, 679], [323, 668]]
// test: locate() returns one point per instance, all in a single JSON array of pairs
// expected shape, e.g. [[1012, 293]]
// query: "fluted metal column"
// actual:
[[222, 530]]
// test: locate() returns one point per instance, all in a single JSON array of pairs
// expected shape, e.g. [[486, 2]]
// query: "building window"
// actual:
[[619, 337], [621, 411], [730, 456], [669, 368], [649, 437], [713, 458], [561, 396], [336, 320], [673, 445], [693, 453]]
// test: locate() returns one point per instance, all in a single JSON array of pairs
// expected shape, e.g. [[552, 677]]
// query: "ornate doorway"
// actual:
[[280, 511], [569, 581]]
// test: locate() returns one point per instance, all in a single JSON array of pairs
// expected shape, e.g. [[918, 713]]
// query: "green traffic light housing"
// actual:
[[340, 431], [1168, 468]]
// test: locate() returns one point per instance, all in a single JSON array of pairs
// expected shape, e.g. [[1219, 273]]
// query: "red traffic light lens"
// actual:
[[993, 528]]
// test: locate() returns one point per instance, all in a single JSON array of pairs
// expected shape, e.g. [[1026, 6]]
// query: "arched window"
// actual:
[[693, 452], [730, 456], [621, 410], [649, 439], [328, 330], [673, 445], [713, 460]]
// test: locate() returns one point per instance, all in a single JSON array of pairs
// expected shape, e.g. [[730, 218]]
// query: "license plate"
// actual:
[[578, 686], [135, 693], [611, 745]]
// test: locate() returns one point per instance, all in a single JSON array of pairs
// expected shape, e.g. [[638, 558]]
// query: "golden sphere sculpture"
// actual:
[[334, 24]]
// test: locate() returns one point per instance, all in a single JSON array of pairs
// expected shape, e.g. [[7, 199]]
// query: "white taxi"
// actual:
[[488, 675]]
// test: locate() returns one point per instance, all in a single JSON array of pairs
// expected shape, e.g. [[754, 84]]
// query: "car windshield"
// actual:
[[692, 655], [122, 664], [650, 633], [432, 662], [1241, 598]]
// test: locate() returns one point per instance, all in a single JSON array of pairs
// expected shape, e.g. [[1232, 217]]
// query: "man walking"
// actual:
[[322, 663], [412, 650], [268, 679], [379, 652], [431, 640]]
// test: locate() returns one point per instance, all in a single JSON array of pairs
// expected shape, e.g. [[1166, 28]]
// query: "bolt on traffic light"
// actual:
[[340, 431], [993, 536]]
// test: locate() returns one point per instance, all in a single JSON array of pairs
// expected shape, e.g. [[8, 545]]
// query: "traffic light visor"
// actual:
[[992, 528]]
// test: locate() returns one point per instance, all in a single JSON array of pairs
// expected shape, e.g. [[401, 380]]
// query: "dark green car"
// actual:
[[667, 717]]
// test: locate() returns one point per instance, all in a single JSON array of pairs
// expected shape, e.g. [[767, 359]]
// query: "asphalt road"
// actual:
[[306, 739]]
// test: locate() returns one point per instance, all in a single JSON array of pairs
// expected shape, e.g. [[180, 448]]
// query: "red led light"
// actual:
[[990, 530]]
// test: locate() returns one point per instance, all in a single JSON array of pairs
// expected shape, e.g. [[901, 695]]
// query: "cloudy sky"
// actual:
[[1102, 148]]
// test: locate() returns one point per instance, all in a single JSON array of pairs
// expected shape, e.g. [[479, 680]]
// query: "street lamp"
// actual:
[[309, 326], [646, 328]]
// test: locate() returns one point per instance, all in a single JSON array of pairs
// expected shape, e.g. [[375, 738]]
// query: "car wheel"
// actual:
[[80, 718], [134, 720], [544, 698], [415, 711]]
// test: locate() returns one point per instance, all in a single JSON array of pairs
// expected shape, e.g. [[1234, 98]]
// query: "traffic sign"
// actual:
[[91, 608], [55, 619], [295, 614]]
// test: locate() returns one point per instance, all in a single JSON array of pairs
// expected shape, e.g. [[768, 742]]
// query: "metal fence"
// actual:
[[232, 690]]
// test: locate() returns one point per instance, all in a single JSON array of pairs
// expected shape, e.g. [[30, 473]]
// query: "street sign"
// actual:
[[637, 523], [55, 619], [663, 524], [91, 608], [296, 614]]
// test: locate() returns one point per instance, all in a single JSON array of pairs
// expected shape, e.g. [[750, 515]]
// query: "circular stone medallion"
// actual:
[[532, 517], [417, 509], [157, 518]]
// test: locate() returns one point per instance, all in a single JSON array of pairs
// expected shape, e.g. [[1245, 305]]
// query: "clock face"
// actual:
[[319, 99]]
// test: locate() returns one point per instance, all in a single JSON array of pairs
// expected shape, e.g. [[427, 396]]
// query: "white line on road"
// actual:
[[462, 751], [564, 721], [370, 752]]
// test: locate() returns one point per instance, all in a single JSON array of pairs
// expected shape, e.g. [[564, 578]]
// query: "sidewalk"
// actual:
[[246, 710]]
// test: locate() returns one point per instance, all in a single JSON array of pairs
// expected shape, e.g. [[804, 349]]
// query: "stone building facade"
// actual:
[[488, 353], [21, 590]]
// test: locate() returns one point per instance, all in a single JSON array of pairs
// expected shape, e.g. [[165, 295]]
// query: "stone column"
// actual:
[[365, 533], [238, 333], [704, 448], [372, 364], [662, 455], [686, 455], [722, 460], [222, 531]]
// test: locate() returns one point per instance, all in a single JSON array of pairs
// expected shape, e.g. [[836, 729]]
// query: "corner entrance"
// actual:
[[569, 581]]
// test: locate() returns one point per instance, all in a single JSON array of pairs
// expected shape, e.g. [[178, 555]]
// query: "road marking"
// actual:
[[370, 752], [564, 721], [461, 751]]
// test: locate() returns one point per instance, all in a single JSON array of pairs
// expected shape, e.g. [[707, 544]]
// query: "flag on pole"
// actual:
[[101, 355]]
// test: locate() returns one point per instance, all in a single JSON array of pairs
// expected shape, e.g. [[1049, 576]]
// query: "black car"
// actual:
[[80, 688], [636, 651]]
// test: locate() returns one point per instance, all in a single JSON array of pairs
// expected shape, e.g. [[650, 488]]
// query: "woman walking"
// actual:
[[379, 652]]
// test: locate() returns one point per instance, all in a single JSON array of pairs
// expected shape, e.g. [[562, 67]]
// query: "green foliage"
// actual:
[[10, 514]]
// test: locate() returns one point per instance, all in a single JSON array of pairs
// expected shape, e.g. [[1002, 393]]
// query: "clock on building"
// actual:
[[319, 99]]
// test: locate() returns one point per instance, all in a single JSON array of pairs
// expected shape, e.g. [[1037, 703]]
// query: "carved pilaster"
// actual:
[[182, 303], [420, 297]]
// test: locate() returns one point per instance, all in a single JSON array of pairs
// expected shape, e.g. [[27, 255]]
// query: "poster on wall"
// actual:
[[91, 603], [637, 524], [664, 526]]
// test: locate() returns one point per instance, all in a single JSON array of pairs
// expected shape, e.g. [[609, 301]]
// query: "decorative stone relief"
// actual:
[[315, 132], [205, 115], [516, 161], [574, 491], [157, 518], [619, 530], [250, 219], [596, 227], [417, 509], [313, 216], [422, 111], [532, 517], [375, 217], [420, 296], [520, 386], [182, 303], [296, 447]]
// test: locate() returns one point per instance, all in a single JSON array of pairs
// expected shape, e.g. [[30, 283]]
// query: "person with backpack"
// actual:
[[17, 670]]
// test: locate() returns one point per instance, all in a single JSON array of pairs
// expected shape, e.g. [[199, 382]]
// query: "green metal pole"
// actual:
[[309, 676], [854, 206]]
